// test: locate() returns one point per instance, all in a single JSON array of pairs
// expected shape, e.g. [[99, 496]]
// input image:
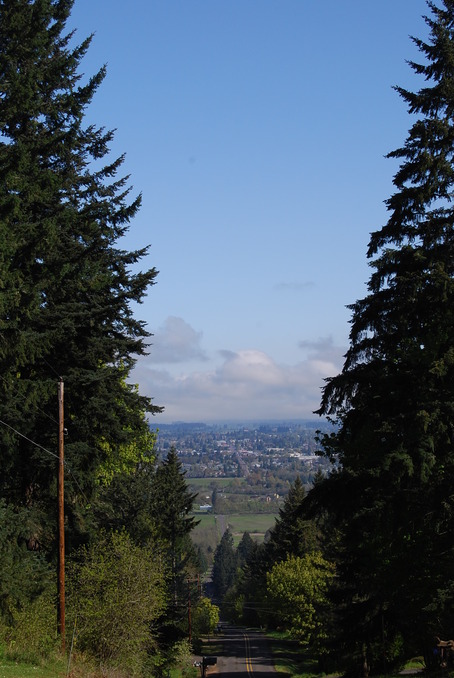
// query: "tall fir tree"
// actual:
[[66, 287], [292, 533], [224, 565], [390, 501], [171, 506]]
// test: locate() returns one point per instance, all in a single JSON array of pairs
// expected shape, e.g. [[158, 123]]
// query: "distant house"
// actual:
[[205, 507]]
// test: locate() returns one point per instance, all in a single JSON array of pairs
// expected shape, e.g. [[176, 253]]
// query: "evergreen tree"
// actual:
[[292, 534], [224, 565], [125, 504], [245, 549], [250, 585], [66, 287], [171, 505], [389, 503], [24, 575]]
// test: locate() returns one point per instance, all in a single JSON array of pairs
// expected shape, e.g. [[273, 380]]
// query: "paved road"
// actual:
[[244, 653]]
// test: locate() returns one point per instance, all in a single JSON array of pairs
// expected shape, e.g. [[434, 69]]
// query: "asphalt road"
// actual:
[[244, 652]]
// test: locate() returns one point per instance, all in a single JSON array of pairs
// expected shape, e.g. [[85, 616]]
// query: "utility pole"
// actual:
[[199, 591], [61, 519], [189, 610]]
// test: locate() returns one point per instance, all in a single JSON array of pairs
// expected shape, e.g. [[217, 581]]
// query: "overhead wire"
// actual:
[[65, 463], [54, 421], [29, 439]]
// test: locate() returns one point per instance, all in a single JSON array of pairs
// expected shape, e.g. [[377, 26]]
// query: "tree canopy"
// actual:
[[292, 533], [67, 285], [389, 501]]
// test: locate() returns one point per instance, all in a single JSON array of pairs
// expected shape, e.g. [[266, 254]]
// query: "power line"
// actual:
[[68, 468], [52, 368], [23, 397], [29, 439]]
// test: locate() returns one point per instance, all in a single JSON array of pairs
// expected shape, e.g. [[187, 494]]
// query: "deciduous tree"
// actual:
[[296, 592], [117, 591]]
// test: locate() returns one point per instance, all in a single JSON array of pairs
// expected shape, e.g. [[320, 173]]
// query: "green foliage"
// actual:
[[23, 573], [172, 501], [32, 634], [292, 533], [125, 504], [170, 508], [67, 289], [205, 618], [125, 459], [244, 549], [224, 565], [51, 668], [387, 508], [205, 538], [116, 594], [176, 661], [297, 593]]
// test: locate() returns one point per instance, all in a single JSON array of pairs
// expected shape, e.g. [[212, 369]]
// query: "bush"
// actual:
[[205, 618], [116, 591], [32, 635]]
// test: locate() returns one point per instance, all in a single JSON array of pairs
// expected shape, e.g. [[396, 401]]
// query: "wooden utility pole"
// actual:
[[189, 610], [199, 590], [61, 518]]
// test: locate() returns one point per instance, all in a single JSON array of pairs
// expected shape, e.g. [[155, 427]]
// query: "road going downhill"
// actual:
[[245, 652]]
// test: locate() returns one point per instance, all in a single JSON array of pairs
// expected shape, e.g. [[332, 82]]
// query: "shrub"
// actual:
[[205, 618], [32, 635], [116, 591]]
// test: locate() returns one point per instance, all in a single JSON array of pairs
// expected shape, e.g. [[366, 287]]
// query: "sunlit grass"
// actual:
[[14, 669]]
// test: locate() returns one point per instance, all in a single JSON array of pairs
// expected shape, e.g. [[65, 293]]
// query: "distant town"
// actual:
[[267, 457]]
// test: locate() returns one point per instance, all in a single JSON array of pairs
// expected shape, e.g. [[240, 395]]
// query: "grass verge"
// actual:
[[14, 669], [290, 659]]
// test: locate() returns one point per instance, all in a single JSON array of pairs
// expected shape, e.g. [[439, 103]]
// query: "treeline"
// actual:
[[282, 583], [369, 581], [67, 288], [127, 584]]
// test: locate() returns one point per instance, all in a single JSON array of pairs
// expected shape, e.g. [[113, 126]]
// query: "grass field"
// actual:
[[254, 523], [207, 533], [209, 483], [205, 519], [13, 669]]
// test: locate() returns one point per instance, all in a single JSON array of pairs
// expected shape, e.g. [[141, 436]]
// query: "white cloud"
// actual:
[[324, 350], [245, 385], [176, 342]]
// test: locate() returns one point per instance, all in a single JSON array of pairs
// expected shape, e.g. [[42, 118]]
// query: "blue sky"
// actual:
[[256, 131]]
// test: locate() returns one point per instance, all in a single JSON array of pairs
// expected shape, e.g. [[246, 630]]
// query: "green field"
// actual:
[[254, 523], [209, 482], [207, 533], [16, 669]]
